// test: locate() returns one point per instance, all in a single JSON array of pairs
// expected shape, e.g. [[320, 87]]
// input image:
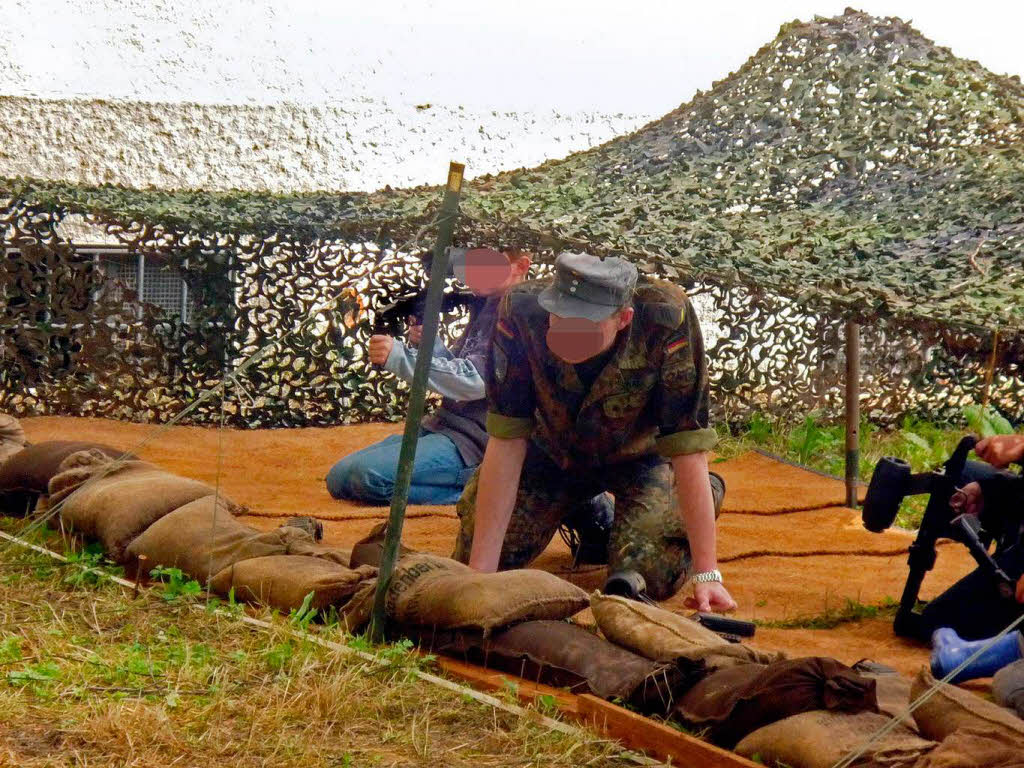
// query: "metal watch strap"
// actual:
[[708, 577]]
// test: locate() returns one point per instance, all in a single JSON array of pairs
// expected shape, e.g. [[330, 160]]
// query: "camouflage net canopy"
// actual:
[[851, 169]]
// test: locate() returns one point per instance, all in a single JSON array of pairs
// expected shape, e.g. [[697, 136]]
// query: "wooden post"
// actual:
[[852, 411], [417, 394]]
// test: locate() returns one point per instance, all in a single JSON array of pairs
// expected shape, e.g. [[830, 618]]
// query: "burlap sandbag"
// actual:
[[370, 549], [431, 591], [732, 702], [283, 581], [12, 437], [26, 474], [951, 708], [566, 655], [202, 540], [665, 636], [976, 748], [116, 505], [821, 739]]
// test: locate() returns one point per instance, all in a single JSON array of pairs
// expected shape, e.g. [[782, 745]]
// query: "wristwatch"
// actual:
[[707, 577]]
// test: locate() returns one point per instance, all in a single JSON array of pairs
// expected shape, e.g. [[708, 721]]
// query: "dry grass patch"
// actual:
[[90, 677]]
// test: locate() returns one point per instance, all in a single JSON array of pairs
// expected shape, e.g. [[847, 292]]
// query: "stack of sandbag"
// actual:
[[976, 747], [114, 502], [820, 739], [565, 655], [950, 709], [26, 474], [732, 702], [12, 437], [203, 537], [431, 592]]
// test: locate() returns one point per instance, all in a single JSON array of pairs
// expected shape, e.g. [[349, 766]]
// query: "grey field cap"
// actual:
[[588, 286]]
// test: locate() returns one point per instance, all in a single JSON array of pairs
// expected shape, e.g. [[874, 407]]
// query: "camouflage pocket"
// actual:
[[682, 374], [618, 406]]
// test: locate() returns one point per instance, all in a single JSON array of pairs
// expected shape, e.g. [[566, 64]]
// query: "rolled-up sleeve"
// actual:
[[683, 392], [510, 396]]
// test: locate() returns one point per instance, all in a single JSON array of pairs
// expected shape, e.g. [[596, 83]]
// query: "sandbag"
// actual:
[[734, 701], [26, 474], [952, 708], [1008, 687], [662, 635], [820, 739], [283, 581], [118, 506], [566, 655], [432, 591], [12, 437], [202, 540], [34, 467], [976, 748], [370, 549]]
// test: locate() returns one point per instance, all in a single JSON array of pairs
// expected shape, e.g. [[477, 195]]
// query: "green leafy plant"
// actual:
[[301, 617], [987, 421], [176, 585]]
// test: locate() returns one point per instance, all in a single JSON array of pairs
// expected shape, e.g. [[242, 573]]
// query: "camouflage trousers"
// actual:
[[647, 534]]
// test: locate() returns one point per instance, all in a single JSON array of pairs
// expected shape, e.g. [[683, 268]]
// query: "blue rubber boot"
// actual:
[[949, 651]]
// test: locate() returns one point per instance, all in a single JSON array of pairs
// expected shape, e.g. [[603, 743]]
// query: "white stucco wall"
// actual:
[[280, 147], [280, 95]]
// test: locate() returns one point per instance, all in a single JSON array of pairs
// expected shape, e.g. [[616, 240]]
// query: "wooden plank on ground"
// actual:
[[490, 680], [654, 738]]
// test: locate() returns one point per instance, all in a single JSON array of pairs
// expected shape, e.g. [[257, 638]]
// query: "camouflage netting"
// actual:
[[851, 169]]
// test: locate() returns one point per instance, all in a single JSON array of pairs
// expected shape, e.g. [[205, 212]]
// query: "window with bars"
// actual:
[[151, 278]]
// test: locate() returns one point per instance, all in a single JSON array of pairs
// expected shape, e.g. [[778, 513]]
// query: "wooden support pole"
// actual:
[[852, 411], [417, 395]]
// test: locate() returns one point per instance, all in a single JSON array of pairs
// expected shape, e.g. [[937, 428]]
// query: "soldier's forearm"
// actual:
[[496, 496], [697, 508]]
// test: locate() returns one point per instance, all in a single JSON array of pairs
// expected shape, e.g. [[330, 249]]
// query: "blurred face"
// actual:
[[575, 339], [488, 272]]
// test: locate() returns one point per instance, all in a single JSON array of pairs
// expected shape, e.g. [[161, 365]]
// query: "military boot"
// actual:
[[587, 529]]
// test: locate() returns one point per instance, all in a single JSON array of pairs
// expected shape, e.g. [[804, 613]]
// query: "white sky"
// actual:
[[643, 57]]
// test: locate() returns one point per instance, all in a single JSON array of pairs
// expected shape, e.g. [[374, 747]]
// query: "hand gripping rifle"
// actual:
[[892, 481], [391, 319]]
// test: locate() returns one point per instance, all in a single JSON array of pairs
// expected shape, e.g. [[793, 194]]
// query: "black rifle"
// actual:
[[391, 319], [892, 482]]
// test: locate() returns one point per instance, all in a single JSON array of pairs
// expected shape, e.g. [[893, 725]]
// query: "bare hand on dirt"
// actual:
[[380, 348], [415, 334], [1001, 450], [711, 597]]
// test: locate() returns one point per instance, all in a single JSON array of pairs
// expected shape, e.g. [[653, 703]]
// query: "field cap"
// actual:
[[588, 286]]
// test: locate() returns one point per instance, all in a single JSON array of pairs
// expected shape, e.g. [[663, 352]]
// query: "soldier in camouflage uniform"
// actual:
[[597, 382]]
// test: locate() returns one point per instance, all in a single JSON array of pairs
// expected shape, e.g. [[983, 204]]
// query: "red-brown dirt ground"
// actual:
[[788, 547]]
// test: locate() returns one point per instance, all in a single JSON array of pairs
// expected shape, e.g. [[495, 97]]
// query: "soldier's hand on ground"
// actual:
[[1001, 450], [415, 334], [379, 348], [711, 597]]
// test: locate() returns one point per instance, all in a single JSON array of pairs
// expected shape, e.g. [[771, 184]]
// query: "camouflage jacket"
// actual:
[[650, 397]]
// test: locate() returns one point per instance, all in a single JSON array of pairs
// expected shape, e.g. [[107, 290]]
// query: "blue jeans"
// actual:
[[438, 475]]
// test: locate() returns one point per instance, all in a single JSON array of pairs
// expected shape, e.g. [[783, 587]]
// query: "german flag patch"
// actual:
[[676, 345], [505, 330]]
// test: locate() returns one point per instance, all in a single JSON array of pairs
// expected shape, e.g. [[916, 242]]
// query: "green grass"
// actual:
[[822, 446], [90, 676], [851, 612]]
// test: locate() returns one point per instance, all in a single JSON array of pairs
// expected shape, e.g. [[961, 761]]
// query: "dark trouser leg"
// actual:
[[648, 535], [545, 496], [972, 606]]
